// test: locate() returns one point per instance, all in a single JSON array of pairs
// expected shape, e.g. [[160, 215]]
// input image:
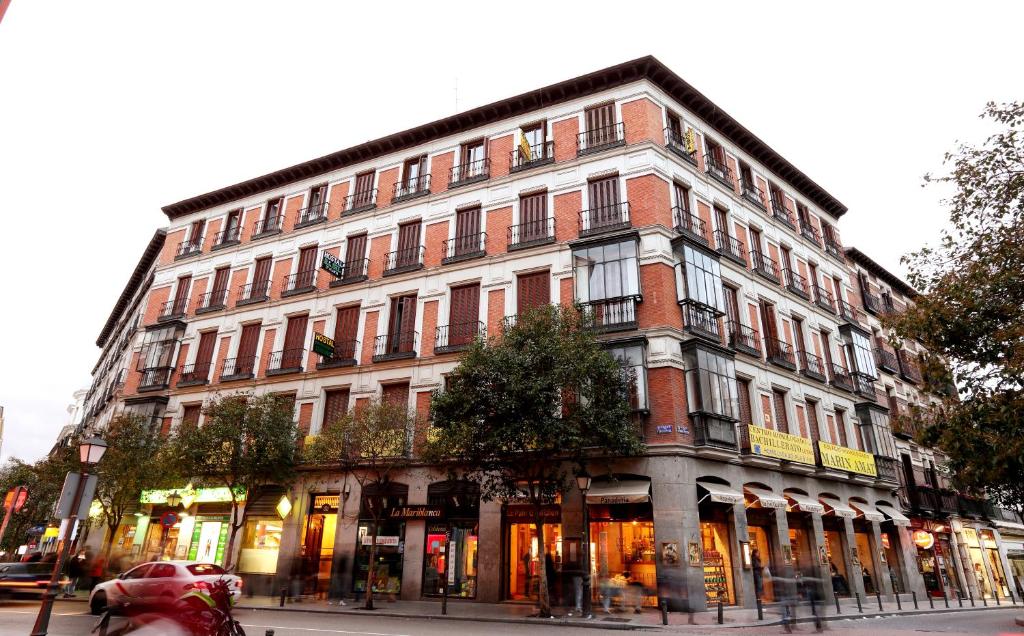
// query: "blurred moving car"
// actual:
[[26, 578], [159, 583]]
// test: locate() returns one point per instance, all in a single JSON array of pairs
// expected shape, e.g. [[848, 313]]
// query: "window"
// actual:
[[335, 407], [703, 277], [204, 356], [355, 256], [190, 414], [533, 290], [675, 126], [346, 327], [730, 297], [464, 314], [362, 195], [812, 421], [471, 159], [231, 225], [158, 348], [413, 172], [294, 339], [408, 245], [195, 234], [220, 287], [467, 232], [859, 351], [633, 361], [205, 569], [711, 383], [600, 122], [875, 434], [777, 198], [245, 362], [716, 151], [743, 394], [781, 417], [841, 426], [305, 276], [722, 220], [181, 295], [397, 393], [161, 571], [261, 540], [271, 214], [533, 217], [317, 196], [606, 271], [402, 326], [682, 197], [534, 134]]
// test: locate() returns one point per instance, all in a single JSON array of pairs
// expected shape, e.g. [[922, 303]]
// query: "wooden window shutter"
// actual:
[[408, 236], [356, 251], [261, 276], [781, 420], [181, 294], [335, 407], [464, 314], [395, 393], [190, 414], [534, 291], [204, 354], [247, 343], [812, 421], [295, 333], [346, 327], [220, 282]]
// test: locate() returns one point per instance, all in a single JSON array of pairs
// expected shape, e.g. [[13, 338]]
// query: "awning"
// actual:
[[897, 517], [720, 493], [837, 508], [767, 498], [624, 491], [806, 503], [870, 512]]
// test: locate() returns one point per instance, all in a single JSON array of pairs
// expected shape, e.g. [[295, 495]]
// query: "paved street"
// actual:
[[70, 619]]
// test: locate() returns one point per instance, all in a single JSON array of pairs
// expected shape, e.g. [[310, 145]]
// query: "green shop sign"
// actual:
[[190, 495]]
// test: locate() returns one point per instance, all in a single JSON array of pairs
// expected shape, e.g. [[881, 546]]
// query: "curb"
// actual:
[[1019, 620]]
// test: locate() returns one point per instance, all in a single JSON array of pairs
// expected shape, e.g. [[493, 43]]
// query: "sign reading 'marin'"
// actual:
[[849, 459], [771, 443]]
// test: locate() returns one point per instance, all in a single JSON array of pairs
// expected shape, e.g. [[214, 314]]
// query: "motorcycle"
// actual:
[[204, 610]]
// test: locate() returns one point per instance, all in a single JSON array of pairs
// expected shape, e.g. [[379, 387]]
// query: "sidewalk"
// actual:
[[648, 619]]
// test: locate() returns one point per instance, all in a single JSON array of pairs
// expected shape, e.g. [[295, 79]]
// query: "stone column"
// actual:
[[415, 535], [817, 541], [345, 540], [489, 567], [677, 519], [742, 577], [291, 539], [882, 576], [908, 566], [853, 566], [786, 571]]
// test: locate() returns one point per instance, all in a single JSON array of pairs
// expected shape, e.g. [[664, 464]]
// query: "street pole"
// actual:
[[43, 619], [588, 607]]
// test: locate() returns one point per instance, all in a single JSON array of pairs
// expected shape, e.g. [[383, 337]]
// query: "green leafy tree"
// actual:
[[136, 459], [371, 443], [44, 480], [244, 443], [971, 312], [521, 413]]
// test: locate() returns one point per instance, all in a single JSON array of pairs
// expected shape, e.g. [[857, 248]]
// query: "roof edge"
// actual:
[[872, 266], [147, 259]]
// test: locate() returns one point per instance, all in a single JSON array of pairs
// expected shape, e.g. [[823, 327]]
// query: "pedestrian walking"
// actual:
[[75, 572]]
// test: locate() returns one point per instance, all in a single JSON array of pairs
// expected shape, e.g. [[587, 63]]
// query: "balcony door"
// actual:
[[220, 287], [271, 214], [245, 360], [355, 254], [408, 244], [533, 217], [181, 295], [316, 197], [467, 231], [471, 157], [363, 194], [413, 170], [533, 290], [260, 278], [812, 422], [346, 326], [232, 224], [402, 324], [768, 324], [604, 202], [464, 316], [306, 274], [294, 339], [600, 122], [781, 419], [204, 355]]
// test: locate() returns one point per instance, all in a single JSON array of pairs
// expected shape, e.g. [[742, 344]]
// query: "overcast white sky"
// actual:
[[109, 110]]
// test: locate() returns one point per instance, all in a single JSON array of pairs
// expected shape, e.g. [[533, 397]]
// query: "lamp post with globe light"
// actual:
[[583, 483], [90, 452]]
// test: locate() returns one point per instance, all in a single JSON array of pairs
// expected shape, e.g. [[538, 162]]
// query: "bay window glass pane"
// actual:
[[715, 377], [703, 277], [632, 359], [862, 353], [606, 271]]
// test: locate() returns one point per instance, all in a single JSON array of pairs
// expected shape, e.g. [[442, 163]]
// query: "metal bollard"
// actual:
[[760, 610], [859, 607], [945, 598], [970, 595], [899, 606], [1013, 597], [838, 611], [721, 614], [914, 594], [984, 601], [931, 602], [996, 594], [959, 598], [284, 593], [269, 632], [878, 595], [664, 612]]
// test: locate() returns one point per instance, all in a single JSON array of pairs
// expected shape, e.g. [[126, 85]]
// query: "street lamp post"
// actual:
[[90, 452], [583, 483]]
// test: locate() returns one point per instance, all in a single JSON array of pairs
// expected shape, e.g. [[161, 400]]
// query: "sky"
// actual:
[[110, 110]]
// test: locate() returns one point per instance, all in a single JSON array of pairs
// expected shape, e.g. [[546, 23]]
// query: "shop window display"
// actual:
[[527, 555], [865, 556], [318, 544], [463, 547], [717, 563], [759, 540], [837, 563], [261, 542], [995, 565]]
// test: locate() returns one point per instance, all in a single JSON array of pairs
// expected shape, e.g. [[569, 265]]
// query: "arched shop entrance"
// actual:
[[458, 505], [387, 577], [622, 537], [867, 554], [716, 504]]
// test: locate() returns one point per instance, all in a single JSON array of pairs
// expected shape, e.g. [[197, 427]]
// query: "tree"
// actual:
[[971, 313], [44, 480], [371, 444], [244, 443], [136, 459], [520, 414]]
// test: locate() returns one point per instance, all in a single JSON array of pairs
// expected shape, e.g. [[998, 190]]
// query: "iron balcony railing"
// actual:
[[360, 201], [809, 232], [833, 248], [313, 214], [176, 308], [888, 307], [509, 322], [601, 138], [850, 314], [888, 469], [709, 430], [718, 169], [254, 292], [752, 193], [872, 303], [689, 224], [286, 361], [908, 368], [470, 172], [812, 366], [532, 156], [743, 338], [531, 233], [700, 319], [606, 218], [797, 284], [189, 248], [730, 247], [948, 502], [886, 360], [823, 298], [404, 260], [392, 346], [212, 301], [195, 373], [411, 188], [841, 378], [353, 271], [268, 226], [344, 355], [863, 385], [456, 337], [464, 247], [675, 142], [612, 314], [923, 498], [227, 237], [300, 282], [780, 353], [780, 212], [765, 266], [238, 368], [155, 378]]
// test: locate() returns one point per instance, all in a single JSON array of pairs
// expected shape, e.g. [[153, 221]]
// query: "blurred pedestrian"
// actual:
[[96, 570], [74, 573], [755, 565]]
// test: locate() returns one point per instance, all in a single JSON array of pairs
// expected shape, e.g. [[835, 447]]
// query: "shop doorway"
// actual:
[[318, 544], [865, 560], [459, 505], [761, 530], [527, 553], [995, 565], [622, 541], [835, 552], [387, 573]]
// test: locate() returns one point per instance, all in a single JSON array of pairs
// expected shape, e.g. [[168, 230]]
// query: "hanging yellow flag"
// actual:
[[524, 149], [690, 140]]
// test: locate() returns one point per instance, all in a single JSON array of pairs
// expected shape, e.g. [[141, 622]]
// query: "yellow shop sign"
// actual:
[[844, 458], [769, 443]]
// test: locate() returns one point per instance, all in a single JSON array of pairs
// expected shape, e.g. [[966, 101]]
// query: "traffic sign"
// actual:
[[168, 519]]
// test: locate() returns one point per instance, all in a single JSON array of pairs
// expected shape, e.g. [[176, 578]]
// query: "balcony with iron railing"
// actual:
[[255, 292], [612, 314], [531, 234], [765, 266], [212, 301], [780, 353], [189, 248], [311, 215], [796, 283], [851, 314], [841, 378], [730, 247], [155, 378], [781, 213], [395, 346], [227, 238], [345, 352], [353, 271], [823, 298], [948, 503], [508, 322], [812, 366], [700, 319], [974, 507], [299, 283], [677, 143], [524, 158], [923, 498], [463, 248], [194, 374], [359, 201], [886, 360], [690, 225], [469, 172], [888, 469], [286, 361], [909, 370], [872, 302], [809, 232], [268, 226], [833, 248], [752, 193], [413, 188], [173, 309], [743, 339], [864, 386], [404, 260], [600, 138], [238, 368], [714, 431], [606, 218], [456, 337], [904, 424], [718, 169]]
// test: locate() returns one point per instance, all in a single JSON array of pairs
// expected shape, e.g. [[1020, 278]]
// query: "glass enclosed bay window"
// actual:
[[711, 393], [633, 360]]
